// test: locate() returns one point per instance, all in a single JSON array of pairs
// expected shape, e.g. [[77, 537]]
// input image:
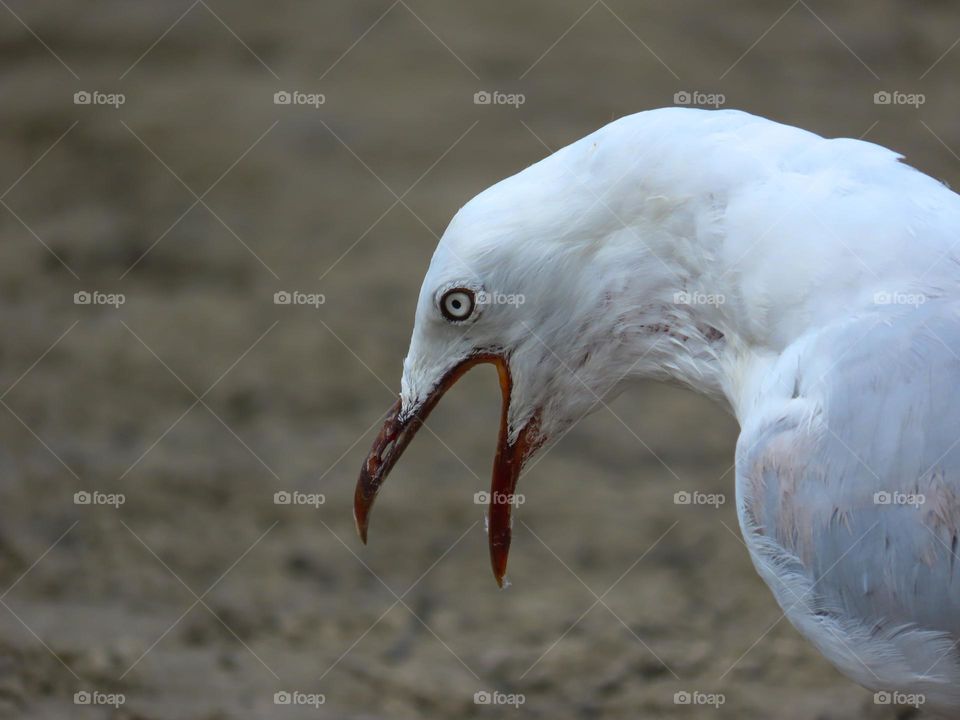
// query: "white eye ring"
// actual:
[[457, 304]]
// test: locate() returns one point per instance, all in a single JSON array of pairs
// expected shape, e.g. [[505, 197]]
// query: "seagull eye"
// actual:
[[457, 304]]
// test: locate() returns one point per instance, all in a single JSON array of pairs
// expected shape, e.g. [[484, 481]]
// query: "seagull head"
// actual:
[[547, 282]]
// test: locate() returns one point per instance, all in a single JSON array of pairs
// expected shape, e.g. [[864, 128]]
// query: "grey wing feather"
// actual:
[[849, 488]]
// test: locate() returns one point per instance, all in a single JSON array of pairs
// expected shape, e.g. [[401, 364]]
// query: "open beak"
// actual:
[[397, 433]]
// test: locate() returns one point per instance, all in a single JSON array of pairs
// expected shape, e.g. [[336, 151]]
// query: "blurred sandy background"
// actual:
[[199, 398]]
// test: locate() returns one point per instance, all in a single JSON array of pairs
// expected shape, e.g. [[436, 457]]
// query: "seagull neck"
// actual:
[[688, 331]]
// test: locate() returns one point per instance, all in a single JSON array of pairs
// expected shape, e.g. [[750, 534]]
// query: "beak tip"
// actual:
[[361, 524], [499, 567]]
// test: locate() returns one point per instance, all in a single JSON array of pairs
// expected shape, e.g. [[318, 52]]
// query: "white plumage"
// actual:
[[809, 284]]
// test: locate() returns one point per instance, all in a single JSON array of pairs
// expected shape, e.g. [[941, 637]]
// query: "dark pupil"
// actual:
[[456, 304]]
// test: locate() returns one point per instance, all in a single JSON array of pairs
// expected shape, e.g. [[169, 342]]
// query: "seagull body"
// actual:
[[810, 285]]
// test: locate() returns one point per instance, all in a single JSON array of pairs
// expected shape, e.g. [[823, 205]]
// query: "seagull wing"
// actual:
[[848, 492]]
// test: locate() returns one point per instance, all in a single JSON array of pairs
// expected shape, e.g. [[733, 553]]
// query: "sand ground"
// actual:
[[198, 398]]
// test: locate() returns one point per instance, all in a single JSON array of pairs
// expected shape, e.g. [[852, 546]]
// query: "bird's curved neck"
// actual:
[[685, 325]]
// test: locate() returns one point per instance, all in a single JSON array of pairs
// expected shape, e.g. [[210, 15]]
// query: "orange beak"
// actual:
[[397, 433]]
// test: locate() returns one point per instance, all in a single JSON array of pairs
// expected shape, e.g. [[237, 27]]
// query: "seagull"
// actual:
[[809, 285]]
